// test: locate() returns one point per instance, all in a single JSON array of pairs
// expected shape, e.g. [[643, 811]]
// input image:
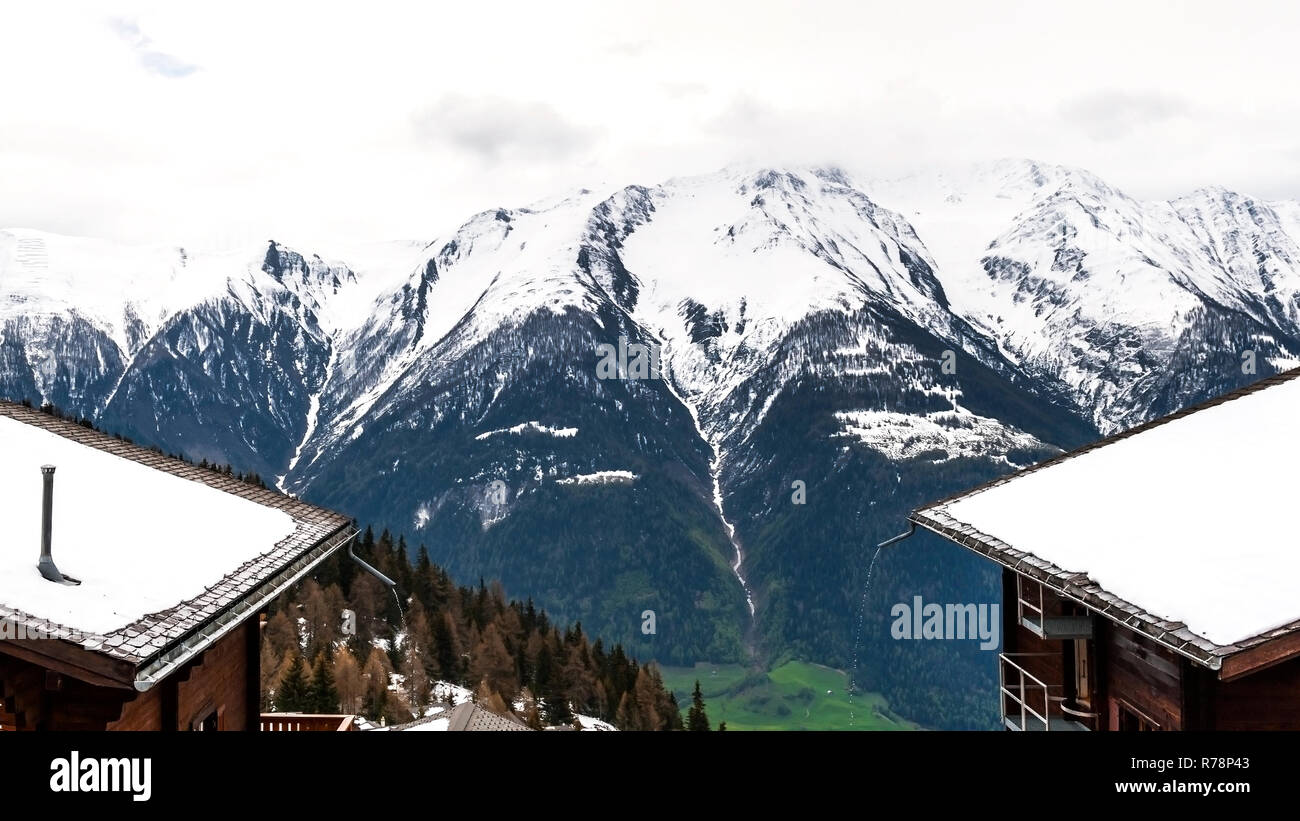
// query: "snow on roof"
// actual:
[[140, 540], [1186, 517], [161, 547]]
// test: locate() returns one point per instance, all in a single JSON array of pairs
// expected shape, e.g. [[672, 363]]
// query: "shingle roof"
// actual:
[[471, 717], [468, 717], [157, 641], [945, 517]]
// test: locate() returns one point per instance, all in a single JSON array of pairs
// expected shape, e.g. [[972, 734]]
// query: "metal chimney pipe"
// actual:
[[46, 565], [47, 512]]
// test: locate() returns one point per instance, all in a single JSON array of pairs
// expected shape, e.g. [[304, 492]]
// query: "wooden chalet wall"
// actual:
[[1145, 676], [1266, 700], [224, 679]]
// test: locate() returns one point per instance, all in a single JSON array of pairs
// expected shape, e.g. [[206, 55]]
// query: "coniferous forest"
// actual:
[[509, 654]]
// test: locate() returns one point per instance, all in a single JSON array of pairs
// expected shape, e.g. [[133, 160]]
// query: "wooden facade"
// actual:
[[217, 690], [1107, 676]]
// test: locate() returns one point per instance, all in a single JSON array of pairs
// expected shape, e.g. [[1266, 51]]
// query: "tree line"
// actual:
[[384, 661]]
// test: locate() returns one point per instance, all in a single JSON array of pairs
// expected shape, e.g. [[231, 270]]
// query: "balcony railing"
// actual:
[[305, 722], [1031, 611], [1029, 703]]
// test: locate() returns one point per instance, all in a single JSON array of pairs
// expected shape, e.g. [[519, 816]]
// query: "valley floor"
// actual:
[[795, 696]]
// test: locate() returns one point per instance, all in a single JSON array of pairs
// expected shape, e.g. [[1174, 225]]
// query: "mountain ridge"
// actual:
[[873, 343]]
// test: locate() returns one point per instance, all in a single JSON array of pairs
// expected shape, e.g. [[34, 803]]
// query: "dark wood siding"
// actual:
[[143, 713], [220, 681], [1145, 676], [1266, 700]]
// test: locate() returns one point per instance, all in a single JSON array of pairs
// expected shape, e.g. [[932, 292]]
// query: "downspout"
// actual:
[[911, 528], [372, 571], [392, 585]]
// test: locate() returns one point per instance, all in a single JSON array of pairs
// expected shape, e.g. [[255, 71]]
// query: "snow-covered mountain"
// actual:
[[1119, 301], [869, 344], [215, 356]]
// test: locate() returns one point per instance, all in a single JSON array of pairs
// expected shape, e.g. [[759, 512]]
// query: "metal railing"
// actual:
[[306, 722], [1027, 692]]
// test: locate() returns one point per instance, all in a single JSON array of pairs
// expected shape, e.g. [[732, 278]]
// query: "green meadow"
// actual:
[[794, 696]]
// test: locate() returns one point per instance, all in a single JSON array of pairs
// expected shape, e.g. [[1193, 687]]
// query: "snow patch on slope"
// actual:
[[531, 427], [940, 436], [600, 477]]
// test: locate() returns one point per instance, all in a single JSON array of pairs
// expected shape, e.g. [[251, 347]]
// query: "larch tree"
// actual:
[[347, 678]]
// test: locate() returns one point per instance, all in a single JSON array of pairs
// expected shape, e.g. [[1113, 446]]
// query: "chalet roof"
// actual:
[[1175, 529], [465, 717], [171, 556]]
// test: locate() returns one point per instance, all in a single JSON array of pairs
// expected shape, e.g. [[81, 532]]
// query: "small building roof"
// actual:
[[1180, 528], [464, 717], [171, 556]]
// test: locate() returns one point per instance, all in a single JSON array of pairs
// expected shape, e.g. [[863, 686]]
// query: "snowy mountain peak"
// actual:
[[802, 323], [1066, 276]]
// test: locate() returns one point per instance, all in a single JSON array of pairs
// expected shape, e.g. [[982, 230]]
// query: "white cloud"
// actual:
[[153, 60], [496, 129], [1117, 113], [167, 122]]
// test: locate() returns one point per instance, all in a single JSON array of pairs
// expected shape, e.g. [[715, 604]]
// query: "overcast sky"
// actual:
[[318, 123]]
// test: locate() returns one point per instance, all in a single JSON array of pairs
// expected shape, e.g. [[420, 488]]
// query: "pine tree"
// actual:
[[324, 695], [444, 648], [675, 714], [696, 719], [294, 695], [556, 709], [422, 583]]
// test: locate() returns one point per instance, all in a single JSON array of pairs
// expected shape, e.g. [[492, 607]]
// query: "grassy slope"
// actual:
[[794, 696]]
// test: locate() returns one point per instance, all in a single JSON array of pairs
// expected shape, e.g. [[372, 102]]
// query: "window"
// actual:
[[209, 721], [1131, 720]]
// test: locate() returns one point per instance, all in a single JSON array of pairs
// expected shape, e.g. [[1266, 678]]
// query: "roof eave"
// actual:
[[188, 647], [1059, 581]]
